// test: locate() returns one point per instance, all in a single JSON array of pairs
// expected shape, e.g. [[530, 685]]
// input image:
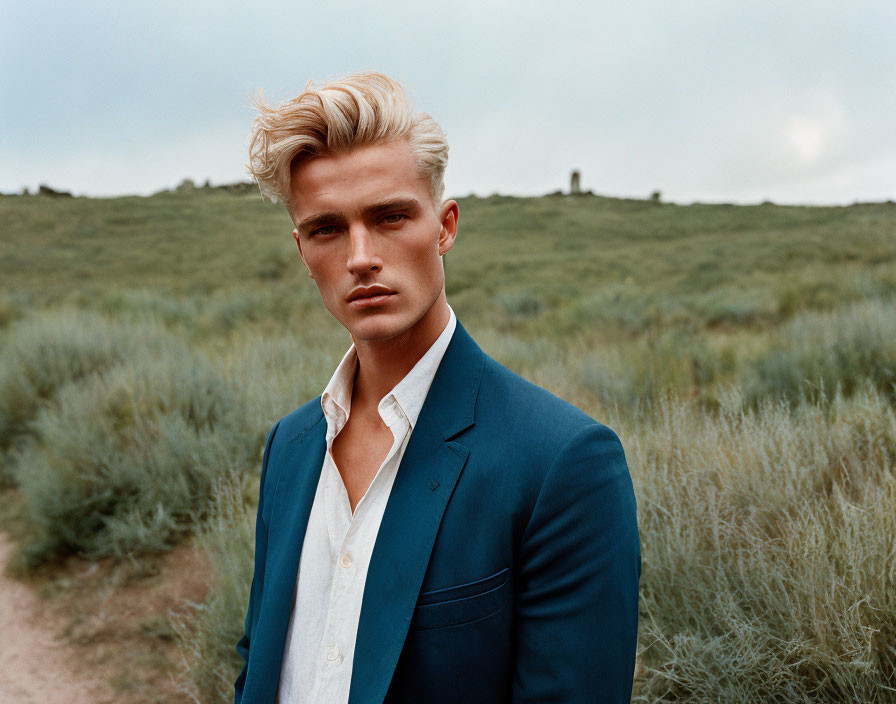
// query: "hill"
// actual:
[[746, 356], [656, 263]]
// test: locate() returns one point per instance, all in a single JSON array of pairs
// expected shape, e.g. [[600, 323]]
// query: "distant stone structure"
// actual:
[[43, 190], [575, 187]]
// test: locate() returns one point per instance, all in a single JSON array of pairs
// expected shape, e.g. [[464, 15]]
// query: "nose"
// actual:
[[363, 257]]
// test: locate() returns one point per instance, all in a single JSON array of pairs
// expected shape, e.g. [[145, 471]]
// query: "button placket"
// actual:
[[341, 579], [337, 522], [332, 653]]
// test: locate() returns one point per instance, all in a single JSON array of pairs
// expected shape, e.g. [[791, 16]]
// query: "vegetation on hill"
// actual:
[[746, 355]]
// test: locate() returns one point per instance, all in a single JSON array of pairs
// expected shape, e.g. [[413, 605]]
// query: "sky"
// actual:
[[710, 101]]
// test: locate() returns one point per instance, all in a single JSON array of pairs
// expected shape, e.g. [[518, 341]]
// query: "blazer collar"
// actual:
[[452, 397]]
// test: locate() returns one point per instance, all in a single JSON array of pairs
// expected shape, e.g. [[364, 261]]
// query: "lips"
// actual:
[[362, 293]]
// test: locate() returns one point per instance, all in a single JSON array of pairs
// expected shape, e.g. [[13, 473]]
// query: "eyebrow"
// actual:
[[318, 219]]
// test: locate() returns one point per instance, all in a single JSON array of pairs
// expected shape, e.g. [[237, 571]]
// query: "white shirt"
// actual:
[[320, 642]]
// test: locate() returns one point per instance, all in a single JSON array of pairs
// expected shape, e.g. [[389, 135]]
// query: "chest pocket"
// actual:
[[463, 603]]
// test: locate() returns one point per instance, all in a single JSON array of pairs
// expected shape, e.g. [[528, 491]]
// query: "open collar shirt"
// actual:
[[336, 550]]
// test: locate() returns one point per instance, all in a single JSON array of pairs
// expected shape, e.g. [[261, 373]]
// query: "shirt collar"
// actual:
[[406, 397]]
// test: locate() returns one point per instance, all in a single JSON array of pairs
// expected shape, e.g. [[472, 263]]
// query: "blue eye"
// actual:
[[394, 218]]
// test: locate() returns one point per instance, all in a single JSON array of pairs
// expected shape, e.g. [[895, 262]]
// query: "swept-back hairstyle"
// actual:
[[333, 117]]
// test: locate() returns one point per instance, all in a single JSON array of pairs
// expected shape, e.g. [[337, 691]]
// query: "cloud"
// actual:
[[738, 100]]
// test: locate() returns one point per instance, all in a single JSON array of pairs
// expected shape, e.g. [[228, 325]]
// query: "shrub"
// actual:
[[521, 303], [825, 351], [50, 349], [618, 308], [10, 310], [730, 306], [285, 370], [147, 304], [126, 459], [646, 369], [274, 262]]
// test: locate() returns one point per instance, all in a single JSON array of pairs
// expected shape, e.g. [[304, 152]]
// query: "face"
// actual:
[[371, 238]]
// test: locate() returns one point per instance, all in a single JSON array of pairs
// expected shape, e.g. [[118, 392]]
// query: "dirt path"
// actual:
[[35, 668]]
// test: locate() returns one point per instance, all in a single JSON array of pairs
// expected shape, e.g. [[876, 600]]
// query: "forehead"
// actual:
[[349, 180]]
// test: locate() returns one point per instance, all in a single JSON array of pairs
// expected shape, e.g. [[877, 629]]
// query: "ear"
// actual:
[[448, 215], [295, 236]]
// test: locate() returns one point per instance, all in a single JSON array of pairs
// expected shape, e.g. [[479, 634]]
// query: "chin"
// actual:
[[377, 327]]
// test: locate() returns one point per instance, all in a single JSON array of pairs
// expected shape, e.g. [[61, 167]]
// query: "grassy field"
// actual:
[[746, 355]]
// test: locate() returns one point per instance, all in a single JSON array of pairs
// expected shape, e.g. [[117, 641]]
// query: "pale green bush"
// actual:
[[284, 371], [818, 352], [125, 460], [49, 349]]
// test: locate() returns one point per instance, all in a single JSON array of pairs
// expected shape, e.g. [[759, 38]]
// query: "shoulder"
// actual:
[[525, 432], [509, 400], [294, 424], [550, 456]]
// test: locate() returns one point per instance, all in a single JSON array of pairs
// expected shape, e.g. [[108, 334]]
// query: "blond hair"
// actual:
[[333, 117]]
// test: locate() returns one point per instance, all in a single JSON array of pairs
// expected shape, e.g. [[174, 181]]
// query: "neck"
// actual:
[[383, 363]]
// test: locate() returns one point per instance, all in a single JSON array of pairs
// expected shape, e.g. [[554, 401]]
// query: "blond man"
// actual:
[[432, 528]]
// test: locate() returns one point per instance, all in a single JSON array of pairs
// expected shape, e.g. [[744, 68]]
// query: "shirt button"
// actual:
[[333, 653], [346, 560]]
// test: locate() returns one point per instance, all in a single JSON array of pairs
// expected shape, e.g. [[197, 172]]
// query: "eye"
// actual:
[[394, 218], [323, 231]]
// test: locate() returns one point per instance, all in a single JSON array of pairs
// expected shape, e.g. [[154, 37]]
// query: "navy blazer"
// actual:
[[507, 562]]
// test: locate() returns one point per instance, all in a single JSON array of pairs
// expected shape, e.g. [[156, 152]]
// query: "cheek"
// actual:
[[425, 255], [324, 278], [425, 269], [320, 263]]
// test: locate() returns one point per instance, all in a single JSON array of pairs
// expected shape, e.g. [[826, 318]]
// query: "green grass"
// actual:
[[769, 573], [209, 634], [771, 260], [745, 355]]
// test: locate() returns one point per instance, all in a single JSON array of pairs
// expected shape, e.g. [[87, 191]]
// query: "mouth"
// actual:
[[372, 298]]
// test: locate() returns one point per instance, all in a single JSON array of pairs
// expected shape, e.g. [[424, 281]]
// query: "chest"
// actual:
[[358, 452]]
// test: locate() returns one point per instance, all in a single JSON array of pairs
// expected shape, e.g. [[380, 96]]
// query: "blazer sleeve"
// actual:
[[261, 545], [576, 618]]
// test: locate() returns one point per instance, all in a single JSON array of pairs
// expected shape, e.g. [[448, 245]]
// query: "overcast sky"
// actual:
[[711, 101]]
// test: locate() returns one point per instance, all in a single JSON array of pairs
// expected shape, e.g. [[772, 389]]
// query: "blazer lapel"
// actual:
[[429, 470], [299, 473]]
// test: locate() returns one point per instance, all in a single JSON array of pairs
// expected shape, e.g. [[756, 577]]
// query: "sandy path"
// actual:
[[35, 668]]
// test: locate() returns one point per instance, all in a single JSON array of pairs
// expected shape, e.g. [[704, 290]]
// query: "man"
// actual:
[[432, 528]]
